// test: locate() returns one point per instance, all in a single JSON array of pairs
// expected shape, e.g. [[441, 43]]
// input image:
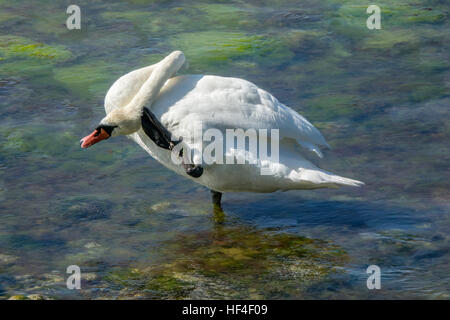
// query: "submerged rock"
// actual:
[[292, 18], [7, 259], [76, 209], [18, 297], [29, 297], [91, 245], [160, 206], [233, 262], [37, 297]]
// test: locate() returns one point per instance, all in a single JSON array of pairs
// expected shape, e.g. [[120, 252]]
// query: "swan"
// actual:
[[151, 103]]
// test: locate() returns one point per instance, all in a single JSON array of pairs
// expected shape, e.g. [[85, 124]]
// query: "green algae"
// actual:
[[149, 23], [152, 286], [34, 139], [53, 24], [14, 47], [6, 17], [229, 17], [406, 13], [215, 48], [24, 57], [92, 77], [178, 19], [300, 40], [350, 21], [147, 1], [19, 297], [216, 264], [329, 107], [387, 39]]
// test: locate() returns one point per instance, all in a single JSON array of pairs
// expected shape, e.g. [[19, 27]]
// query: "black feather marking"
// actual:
[[156, 131]]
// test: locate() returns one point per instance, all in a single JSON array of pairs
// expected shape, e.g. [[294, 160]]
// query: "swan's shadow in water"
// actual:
[[285, 212]]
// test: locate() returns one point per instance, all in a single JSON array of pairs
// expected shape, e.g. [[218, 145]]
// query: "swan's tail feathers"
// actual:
[[342, 181], [321, 178]]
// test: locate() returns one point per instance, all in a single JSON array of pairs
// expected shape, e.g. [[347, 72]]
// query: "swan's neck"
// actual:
[[147, 94]]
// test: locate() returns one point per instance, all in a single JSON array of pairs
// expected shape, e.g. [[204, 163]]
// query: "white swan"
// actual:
[[221, 103]]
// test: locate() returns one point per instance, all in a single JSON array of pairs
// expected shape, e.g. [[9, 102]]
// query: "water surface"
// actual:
[[137, 230]]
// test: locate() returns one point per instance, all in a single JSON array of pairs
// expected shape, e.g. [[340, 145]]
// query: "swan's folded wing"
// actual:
[[230, 103]]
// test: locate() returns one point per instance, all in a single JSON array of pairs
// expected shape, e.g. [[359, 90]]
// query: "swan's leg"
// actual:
[[216, 198], [219, 215], [162, 137]]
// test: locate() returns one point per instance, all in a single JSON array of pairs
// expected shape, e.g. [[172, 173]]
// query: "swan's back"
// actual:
[[227, 103]]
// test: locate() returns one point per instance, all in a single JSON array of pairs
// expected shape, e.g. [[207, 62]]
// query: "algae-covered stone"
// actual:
[[160, 206], [387, 39], [83, 208], [224, 16], [152, 23], [152, 285], [329, 107], [8, 17], [293, 17], [166, 22], [306, 41], [36, 140], [212, 49], [15, 140], [233, 262], [14, 47], [37, 297], [91, 245], [2, 191], [350, 18], [19, 297], [7, 259], [93, 77], [28, 58]]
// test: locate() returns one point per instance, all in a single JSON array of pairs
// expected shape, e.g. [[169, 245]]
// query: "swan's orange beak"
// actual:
[[96, 136]]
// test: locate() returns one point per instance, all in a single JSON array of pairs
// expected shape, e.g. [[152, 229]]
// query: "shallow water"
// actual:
[[380, 98]]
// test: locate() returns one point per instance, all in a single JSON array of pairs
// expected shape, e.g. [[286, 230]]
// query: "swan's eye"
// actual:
[[98, 132], [108, 129]]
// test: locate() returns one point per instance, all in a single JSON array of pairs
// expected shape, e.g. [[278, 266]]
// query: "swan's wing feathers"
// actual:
[[228, 103]]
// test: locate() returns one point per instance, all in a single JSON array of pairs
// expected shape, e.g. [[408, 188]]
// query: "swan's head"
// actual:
[[116, 123]]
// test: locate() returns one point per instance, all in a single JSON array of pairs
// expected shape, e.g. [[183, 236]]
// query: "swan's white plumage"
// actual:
[[227, 103]]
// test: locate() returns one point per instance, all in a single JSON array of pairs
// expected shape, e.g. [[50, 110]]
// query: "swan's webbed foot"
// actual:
[[193, 170]]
